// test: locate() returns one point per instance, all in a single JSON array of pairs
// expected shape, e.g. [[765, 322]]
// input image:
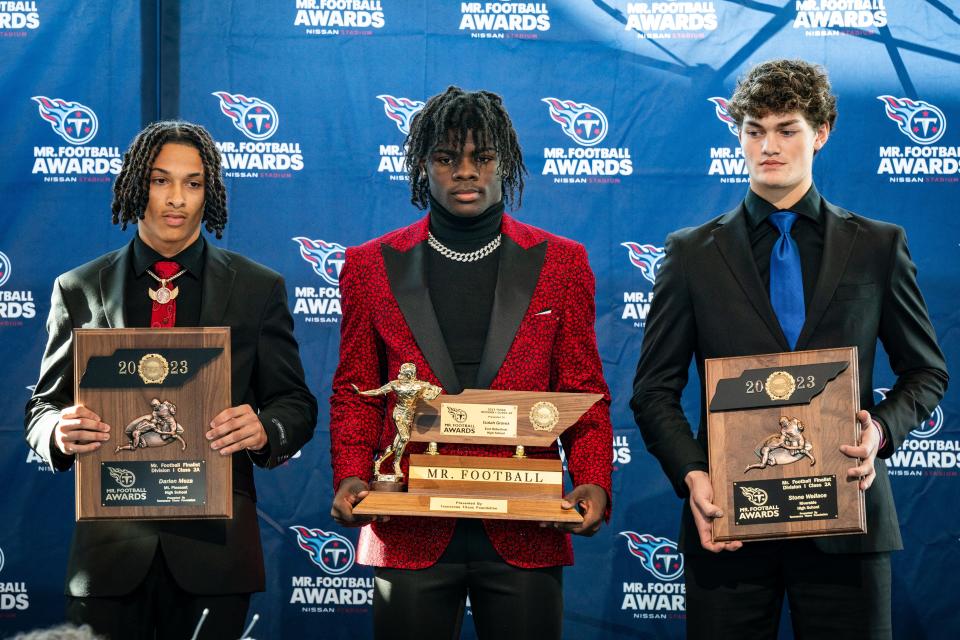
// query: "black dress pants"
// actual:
[[159, 609], [739, 595], [506, 602]]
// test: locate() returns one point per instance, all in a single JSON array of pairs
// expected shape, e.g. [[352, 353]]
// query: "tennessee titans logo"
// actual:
[[328, 550], [4, 268], [123, 477], [72, 121], [646, 257], [919, 120], [584, 123], [930, 426], [255, 117], [326, 257], [401, 111], [1, 559], [659, 556], [720, 108]]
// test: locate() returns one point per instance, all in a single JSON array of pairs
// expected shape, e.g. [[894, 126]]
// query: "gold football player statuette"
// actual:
[[409, 391]]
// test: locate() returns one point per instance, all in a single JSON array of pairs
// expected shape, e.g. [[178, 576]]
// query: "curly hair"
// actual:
[[131, 191], [784, 86], [447, 117]]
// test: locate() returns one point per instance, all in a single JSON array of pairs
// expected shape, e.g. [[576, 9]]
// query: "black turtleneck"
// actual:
[[462, 292]]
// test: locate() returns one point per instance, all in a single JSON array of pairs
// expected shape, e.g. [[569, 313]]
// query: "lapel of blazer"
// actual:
[[218, 281], [734, 244], [407, 276], [517, 278], [840, 232], [113, 283]]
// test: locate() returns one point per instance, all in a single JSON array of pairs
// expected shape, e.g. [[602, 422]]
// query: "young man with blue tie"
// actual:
[[787, 270]]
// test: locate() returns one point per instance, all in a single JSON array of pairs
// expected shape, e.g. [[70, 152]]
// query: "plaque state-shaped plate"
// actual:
[[775, 426]]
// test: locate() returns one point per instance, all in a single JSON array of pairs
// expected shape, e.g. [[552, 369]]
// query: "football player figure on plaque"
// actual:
[[785, 447]]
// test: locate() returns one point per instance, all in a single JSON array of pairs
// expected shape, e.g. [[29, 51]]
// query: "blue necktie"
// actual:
[[786, 279]]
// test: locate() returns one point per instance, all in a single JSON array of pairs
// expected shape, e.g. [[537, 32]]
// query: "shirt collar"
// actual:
[[759, 209], [191, 258]]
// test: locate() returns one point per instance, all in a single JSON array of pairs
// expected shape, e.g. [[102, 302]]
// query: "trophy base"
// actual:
[[499, 508], [390, 486]]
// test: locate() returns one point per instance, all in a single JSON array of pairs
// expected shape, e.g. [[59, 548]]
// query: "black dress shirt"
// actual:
[[137, 305], [807, 232]]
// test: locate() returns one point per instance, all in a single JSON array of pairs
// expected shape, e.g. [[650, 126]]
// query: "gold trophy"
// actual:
[[513, 488]]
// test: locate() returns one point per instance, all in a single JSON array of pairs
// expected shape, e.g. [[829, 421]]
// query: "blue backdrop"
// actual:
[[310, 100]]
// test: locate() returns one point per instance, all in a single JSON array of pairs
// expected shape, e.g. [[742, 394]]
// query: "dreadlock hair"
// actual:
[[131, 191], [446, 118], [783, 86]]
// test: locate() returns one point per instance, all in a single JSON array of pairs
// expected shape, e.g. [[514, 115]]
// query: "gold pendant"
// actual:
[[162, 295]]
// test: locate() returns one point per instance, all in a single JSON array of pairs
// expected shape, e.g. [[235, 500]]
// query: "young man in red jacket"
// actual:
[[474, 299]]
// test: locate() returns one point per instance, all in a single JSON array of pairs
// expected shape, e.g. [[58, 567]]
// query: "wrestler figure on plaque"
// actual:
[[409, 391]]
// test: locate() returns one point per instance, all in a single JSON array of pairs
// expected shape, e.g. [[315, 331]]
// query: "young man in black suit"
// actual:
[[787, 270], [169, 275]]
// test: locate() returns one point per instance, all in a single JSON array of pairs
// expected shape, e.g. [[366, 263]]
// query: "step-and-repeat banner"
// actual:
[[310, 101]]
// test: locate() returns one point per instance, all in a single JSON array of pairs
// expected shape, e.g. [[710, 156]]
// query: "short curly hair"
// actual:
[[784, 86], [131, 191]]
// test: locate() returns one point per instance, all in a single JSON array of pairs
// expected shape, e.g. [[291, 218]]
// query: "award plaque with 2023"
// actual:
[[775, 424], [158, 389]]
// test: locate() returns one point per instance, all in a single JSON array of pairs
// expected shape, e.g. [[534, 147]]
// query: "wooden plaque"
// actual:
[[158, 390], [486, 487], [775, 423]]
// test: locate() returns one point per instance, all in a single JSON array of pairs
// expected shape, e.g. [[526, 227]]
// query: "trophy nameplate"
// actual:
[[158, 389], [511, 488], [775, 423]]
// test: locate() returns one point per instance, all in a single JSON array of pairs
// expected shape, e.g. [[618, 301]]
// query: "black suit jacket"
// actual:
[[205, 557], [710, 302]]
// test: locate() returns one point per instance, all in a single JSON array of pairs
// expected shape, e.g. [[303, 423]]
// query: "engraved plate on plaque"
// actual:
[[142, 483], [785, 500], [472, 474], [482, 420], [468, 505]]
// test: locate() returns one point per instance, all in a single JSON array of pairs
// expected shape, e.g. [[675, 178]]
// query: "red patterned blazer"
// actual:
[[541, 338]]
